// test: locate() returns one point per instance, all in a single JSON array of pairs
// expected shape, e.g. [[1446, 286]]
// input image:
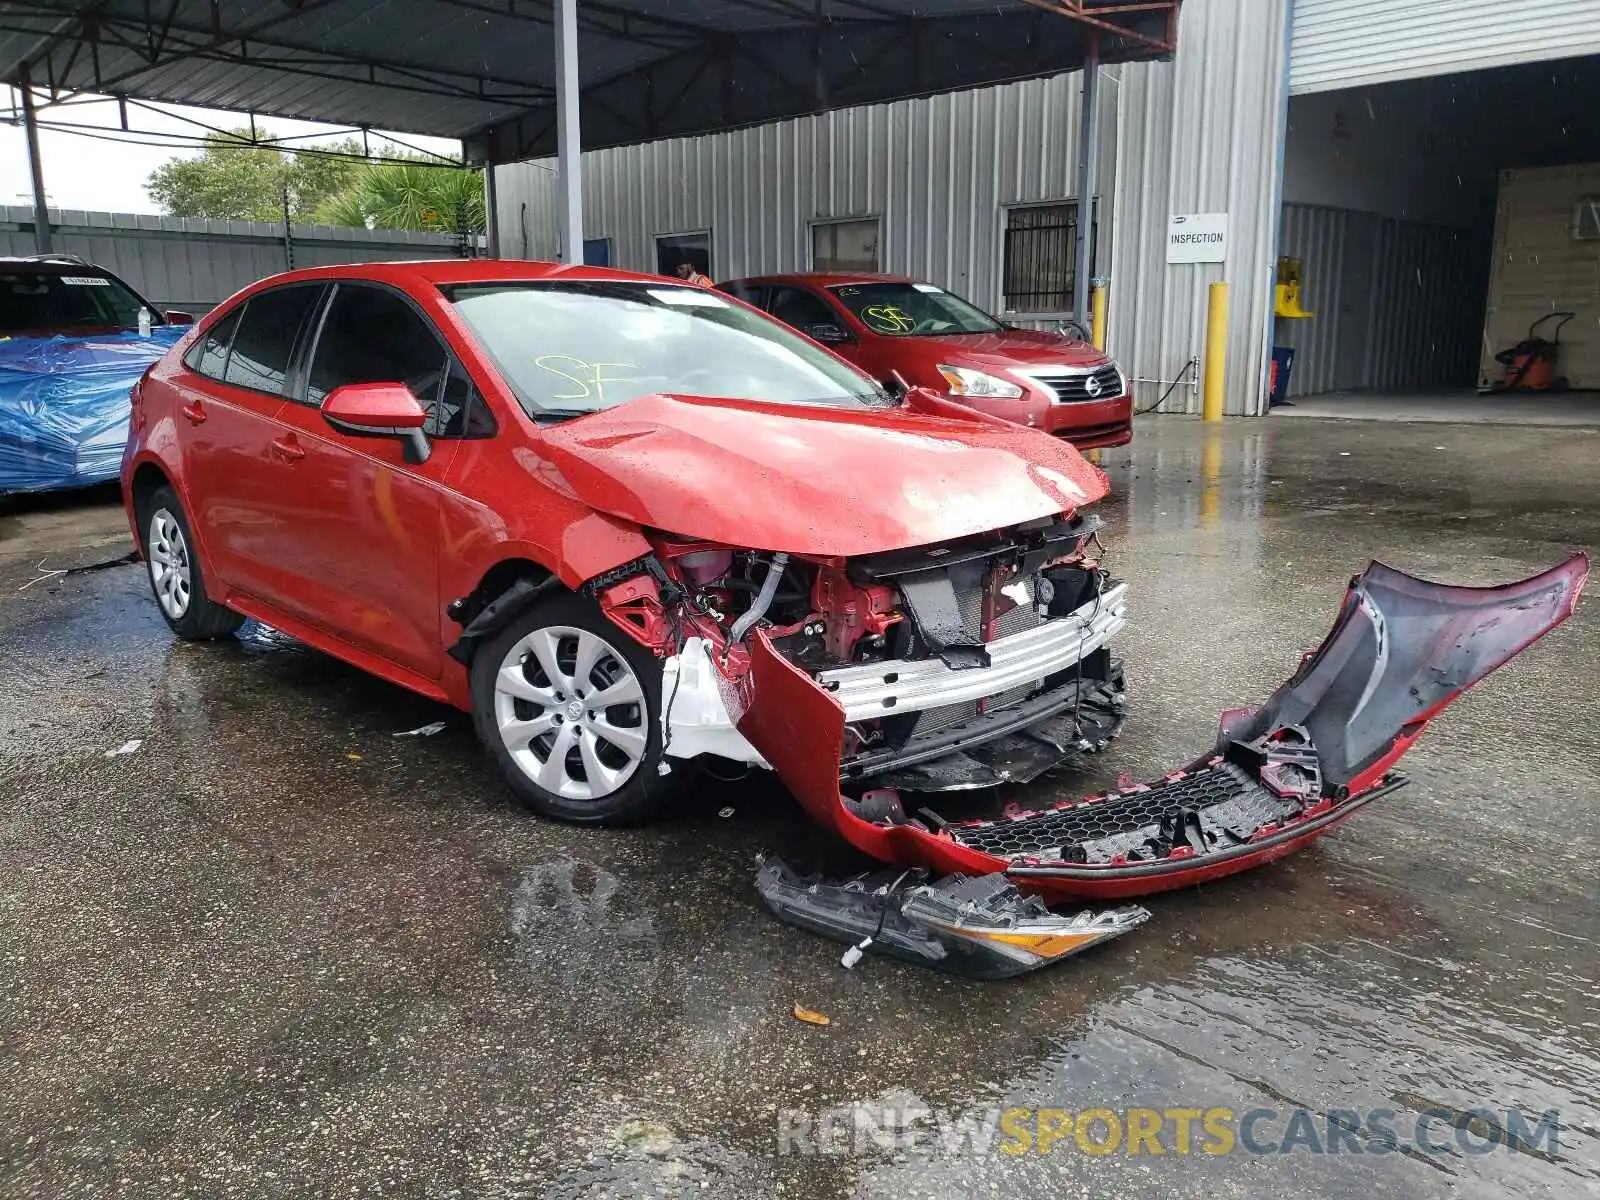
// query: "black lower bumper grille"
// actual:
[[1218, 804]]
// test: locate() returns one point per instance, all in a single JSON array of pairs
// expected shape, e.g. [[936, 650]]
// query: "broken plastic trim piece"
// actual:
[[980, 927], [522, 595]]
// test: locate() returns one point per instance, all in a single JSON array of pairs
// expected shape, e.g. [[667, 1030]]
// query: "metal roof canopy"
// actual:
[[484, 71]]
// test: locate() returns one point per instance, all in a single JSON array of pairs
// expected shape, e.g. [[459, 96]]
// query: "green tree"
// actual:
[[409, 195], [233, 181]]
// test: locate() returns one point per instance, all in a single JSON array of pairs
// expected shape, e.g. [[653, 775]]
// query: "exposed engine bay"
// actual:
[[958, 666]]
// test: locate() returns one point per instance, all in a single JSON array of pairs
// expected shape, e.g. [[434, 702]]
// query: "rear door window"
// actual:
[[263, 344], [372, 335], [800, 309], [750, 293]]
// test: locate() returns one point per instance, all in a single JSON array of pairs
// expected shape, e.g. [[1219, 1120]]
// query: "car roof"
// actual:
[[51, 262], [468, 270], [823, 278]]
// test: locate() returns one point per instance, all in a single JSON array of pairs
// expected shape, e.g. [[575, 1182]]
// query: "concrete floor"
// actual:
[[277, 952], [1452, 407]]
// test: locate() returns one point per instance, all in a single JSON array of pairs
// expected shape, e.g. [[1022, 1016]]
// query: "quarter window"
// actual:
[[210, 356], [373, 336], [264, 342]]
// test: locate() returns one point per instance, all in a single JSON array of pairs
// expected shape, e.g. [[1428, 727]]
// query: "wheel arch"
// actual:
[[147, 477], [505, 590]]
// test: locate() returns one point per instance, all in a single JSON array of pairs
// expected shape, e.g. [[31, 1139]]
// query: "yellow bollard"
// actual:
[[1097, 316], [1216, 374]]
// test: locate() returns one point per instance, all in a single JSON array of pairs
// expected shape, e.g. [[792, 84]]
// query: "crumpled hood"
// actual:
[[821, 481]]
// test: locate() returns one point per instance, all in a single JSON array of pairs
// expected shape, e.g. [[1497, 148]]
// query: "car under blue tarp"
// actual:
[[64, 405]]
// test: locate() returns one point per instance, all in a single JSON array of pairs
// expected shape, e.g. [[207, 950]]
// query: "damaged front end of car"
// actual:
[[964, 665], [987, 660], [1322, 747]]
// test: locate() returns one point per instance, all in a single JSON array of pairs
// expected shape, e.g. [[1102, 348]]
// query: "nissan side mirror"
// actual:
[[828, 334], [379, 410], [177, 317]]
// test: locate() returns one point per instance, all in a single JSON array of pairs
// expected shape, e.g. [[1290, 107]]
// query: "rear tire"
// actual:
[[176, 577], [569, 708]]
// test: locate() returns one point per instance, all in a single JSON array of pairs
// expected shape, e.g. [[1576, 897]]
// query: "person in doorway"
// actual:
[[689, 273]]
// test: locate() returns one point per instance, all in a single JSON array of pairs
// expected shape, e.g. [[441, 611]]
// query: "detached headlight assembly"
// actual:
[[964, 381]]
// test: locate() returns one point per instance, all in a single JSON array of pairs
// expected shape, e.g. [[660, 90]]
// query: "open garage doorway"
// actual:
[[1433, 221]]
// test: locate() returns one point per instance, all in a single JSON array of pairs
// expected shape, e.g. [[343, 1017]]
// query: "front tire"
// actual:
[[175, 575], [569, 707]]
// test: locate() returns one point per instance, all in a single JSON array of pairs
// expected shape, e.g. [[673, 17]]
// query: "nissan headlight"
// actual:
[[964, 381]]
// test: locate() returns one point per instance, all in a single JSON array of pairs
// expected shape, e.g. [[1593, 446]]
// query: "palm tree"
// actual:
[[410, 195]]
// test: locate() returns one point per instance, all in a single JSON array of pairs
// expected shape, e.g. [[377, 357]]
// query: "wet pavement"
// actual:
[[276, 951]]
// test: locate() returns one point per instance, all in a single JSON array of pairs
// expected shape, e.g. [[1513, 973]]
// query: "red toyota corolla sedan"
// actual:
[[935, 339], [628, 524]]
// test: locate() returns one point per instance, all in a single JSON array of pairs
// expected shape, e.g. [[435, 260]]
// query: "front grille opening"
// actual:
[[1077, 387]]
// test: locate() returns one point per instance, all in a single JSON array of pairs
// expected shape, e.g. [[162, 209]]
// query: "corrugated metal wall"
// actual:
[[1343, 43], [193, 264], [1540, 267], [1200, 134], [1397, 304], [936, 172]]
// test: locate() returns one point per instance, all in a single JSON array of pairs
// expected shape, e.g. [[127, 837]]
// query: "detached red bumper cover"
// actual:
[[1320, 748]]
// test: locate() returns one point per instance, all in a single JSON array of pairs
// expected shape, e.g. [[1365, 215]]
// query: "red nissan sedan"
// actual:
[[932, 338]]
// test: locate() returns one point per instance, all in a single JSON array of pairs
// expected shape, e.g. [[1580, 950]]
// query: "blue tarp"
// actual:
[[64, 405]]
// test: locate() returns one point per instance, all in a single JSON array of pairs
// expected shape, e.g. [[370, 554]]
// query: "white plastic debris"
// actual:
[[428, 730], [127, 747], [44, 574], [725, 813]]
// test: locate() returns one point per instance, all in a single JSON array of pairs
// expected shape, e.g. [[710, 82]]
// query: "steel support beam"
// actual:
[[491, 209], [30, 124], [569, 139], [1088, 160]]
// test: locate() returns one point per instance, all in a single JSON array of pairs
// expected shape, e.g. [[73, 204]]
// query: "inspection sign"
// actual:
[[1197, 238]]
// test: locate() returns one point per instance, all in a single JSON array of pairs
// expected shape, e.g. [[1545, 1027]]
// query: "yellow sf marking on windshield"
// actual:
[[591, 378], [889, 317]]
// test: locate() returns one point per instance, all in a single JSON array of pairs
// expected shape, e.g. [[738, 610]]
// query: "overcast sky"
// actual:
[[104, 176]]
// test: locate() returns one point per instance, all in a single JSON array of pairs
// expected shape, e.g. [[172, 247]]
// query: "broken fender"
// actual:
[[1280, 777]]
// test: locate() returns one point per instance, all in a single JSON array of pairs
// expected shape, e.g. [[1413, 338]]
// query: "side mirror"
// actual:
[[175, 317], [828, 334], [379, 410]]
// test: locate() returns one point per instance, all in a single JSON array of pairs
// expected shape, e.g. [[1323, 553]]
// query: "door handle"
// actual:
[[287, 449], [194, 412]]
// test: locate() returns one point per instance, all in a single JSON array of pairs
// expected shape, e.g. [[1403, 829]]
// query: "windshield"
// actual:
[[573, 347], [48, 302], [913, 310]]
